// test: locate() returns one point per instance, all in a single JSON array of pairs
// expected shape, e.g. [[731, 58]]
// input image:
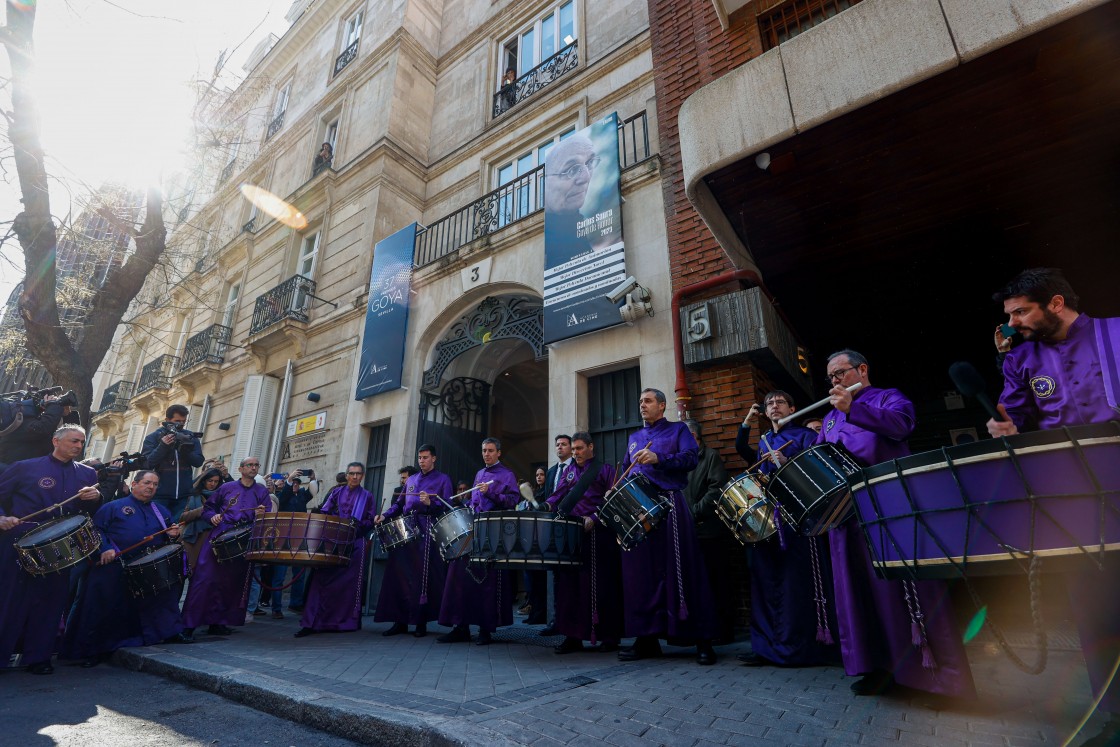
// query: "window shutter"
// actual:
[[254, 426]]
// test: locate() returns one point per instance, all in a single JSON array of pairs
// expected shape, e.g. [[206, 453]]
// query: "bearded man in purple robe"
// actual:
[[1066, 373]]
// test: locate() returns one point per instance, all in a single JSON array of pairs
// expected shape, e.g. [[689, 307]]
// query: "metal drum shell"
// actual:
[[57, 545], [812, 488], [453, 533], [398, 531], [633, 509], [232, 543], [153, 572], [527, 540], [745, 508], [300, 539]]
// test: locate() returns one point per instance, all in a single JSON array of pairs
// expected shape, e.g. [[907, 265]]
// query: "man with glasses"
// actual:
[[568, 169], [792, 622], [889, 630]]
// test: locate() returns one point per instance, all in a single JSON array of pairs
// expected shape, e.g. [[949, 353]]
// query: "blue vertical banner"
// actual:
[[383, 344], [584, 256]]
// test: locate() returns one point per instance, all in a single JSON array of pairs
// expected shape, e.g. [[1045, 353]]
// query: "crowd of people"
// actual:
[[815, 600]]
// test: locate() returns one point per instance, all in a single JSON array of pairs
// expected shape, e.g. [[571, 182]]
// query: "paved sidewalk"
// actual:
[[409, 691]]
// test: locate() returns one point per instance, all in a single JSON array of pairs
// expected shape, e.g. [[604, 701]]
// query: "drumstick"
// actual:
[[768, 455], [624, 474], [51, 508], [815, 405], [468, 490], [149, 538]]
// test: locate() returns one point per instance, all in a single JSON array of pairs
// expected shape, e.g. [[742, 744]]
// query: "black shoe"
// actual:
[[752, 660], [421, 630], [1108, 736], [219, 630], [183, 637], [396, 629], [92, 662], [277, 615], [484, 638], [705, 654], [607, 647], [569, 646], [549, 630], [43, 667], [303, 632], [643, 648], [875, 683], [457, 635], [258, 612]]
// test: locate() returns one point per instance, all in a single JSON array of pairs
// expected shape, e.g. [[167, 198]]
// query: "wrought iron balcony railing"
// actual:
[[116, 397], [227, 172], [515, 201], [157, 374], [289, 300], [345, 58], [511, 94], [274, 126], [250, 225], [208, 346]]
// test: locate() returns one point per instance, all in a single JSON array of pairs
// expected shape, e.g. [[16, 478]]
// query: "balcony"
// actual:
[[287, 301], [250, 225], [274, 126], [208, 346], [157, 374], [515, 201], [345, 58], [116, 397], [542, 75], [227, 172]]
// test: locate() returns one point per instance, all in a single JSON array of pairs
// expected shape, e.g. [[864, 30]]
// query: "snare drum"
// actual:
[[527, 540], [812, 488], [746, 509], [398, 531], [301, 539], [57, 545], [232, 543], [453, 532], [153, 572], [634, 509]]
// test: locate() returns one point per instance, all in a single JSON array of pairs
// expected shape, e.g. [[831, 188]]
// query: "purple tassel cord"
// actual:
[[918, 625]]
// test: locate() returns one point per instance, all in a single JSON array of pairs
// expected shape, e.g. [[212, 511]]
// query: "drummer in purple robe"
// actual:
[[890, 631], [793, 621], [415, 572], [334, 595], [482, 596], [1066, 372], [218, 592], [588, 597], [665, 586], [31, 607], [107, 616]]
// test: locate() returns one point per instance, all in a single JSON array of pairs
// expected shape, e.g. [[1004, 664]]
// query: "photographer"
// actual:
[[28, 423], [173, 453]]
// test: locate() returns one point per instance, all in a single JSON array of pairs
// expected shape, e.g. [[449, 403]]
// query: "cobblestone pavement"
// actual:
[[518, 691]]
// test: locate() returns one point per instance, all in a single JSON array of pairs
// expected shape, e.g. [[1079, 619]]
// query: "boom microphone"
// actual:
[[971, 384]]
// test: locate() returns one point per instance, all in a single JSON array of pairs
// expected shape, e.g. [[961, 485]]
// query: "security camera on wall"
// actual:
[[626, 287]]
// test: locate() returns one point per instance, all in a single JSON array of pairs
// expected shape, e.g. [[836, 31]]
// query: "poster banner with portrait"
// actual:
[[390, 280], [584, 257]]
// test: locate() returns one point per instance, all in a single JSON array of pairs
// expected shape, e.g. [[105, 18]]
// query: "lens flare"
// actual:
[[975, 624], [274, 207]]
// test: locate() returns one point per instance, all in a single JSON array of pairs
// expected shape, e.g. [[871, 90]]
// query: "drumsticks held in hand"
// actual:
[[815, 405], [768, 455], [149, 538], [50, 508], [624, 474], [468, 490]]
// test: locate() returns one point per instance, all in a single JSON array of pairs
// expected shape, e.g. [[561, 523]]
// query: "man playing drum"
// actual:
[[414, 575], [889, 630], [588, 598], [31, 607], [107, 616], [792, 622], [218, 592], [665, 586], [1066, 373], [487, 600]]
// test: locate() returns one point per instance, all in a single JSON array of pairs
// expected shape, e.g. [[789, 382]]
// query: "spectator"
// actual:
[[195, 528], [173, 453]]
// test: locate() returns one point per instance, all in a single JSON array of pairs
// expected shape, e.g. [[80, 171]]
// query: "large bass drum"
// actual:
[[527, 540], [57, 545], [301, 539]]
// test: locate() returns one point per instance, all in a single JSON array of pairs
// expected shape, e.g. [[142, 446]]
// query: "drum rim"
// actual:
[[83, 522], [147, 557]]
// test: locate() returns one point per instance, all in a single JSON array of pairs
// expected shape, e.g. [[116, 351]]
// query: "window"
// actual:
[[612, 411], [353, 31], [282, 100], [525, 197], [540, 40], [229, 312], [323, 161], [308, 255], [787, 20]]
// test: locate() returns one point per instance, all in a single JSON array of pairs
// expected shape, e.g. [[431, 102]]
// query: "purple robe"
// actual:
[[580, 613], [789, 574], [665, 586], [482, 595], [107, 616], [876, 631], [1055, 384], [218, 592], [334, 595], [31, 607], [415, 573]]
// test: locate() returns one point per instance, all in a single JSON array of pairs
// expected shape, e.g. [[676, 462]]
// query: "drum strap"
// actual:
[[17, 421], [569, 501], [674, 519]]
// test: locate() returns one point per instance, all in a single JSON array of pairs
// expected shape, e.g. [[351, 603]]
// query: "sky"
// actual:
[[113, 86]]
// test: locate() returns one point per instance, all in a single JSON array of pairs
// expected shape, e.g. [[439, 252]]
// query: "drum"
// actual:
[[301, 539], [232, 543], [153, 572], [398, 531], [985, 508], [633, 509], [527, 540], [453, 532], [746, 509], [812, 488], [57, 545]]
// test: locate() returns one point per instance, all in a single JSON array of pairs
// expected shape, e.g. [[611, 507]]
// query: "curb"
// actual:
[[357, 720]]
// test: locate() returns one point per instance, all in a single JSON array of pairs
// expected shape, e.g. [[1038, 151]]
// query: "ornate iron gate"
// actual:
[[455, 419]]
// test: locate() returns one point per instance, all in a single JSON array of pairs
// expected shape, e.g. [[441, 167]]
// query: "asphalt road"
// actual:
[[108, 706]]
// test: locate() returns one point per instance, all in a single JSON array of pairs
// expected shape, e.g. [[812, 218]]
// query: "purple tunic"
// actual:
[[874, 620], [31, 607], [415, 573], [1055, 384], [107, 616], [481, 595], [580, 613], [218, 592], [334, 595], [665, 586]]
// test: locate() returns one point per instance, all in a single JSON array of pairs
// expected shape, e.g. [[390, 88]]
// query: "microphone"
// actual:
[[971, 384]]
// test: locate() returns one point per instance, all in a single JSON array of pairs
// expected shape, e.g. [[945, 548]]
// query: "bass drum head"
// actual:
[[51, 531]]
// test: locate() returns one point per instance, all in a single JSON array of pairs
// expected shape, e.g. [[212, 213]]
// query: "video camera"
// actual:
[[129, 463], [182, 435], [37, 397]]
